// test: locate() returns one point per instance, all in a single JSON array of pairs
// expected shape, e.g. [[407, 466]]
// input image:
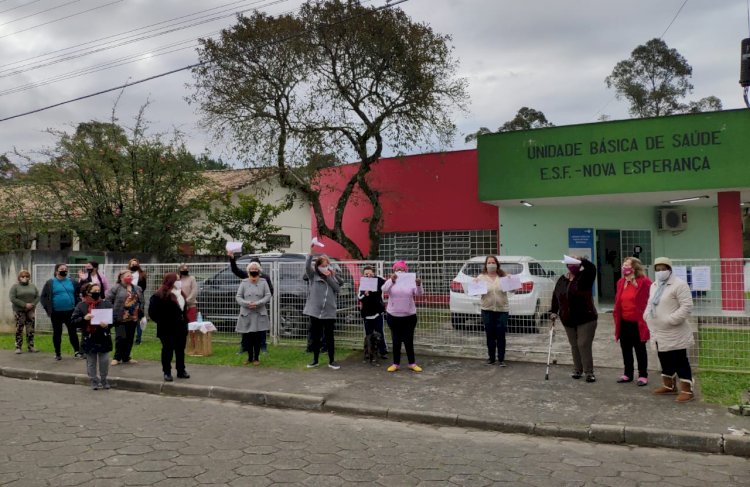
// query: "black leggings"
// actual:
[[675, 362], [630, 339], [251, 343], [124, 335], [402, 332], [173, 345], [322, 329], [58, 319]]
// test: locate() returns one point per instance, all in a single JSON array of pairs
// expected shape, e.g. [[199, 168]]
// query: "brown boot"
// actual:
[[686, 391], [668, 385]]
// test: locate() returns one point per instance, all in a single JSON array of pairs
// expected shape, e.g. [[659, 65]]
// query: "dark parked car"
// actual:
[[217, 302]]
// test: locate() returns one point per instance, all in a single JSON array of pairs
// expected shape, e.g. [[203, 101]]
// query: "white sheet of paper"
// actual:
[[234, 247], [317, 243], [680, 271], [407, 279], [368, 284], [99, 316], [510, 283], [476, 288], [701, 277]]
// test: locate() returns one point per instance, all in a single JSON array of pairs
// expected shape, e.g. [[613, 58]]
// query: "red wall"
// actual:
[[425, 192]]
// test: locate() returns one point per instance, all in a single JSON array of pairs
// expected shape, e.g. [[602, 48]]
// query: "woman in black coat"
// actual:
[[96, 340], [167, 309]]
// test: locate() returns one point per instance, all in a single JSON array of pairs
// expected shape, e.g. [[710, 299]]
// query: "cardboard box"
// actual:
[[199, 344]]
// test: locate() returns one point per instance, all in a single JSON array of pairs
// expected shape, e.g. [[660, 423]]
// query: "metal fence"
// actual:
[[449, 319]]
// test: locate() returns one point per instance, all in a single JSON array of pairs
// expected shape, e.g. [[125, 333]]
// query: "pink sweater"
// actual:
[[401, 298]]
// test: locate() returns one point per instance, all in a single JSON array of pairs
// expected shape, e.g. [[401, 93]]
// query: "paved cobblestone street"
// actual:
[[53, 434]]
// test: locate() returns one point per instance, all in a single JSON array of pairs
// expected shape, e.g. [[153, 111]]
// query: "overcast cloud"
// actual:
[[552, 55]]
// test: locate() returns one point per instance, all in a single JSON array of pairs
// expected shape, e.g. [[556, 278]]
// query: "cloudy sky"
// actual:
[[552, 55]]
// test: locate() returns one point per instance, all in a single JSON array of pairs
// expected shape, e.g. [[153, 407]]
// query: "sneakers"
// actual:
[[590, 378], [489, 362], [114, 362], [33, 350], [642, 381], [313, 365], [185, 375], [94, 385], [576, 375], [415, 368], [58, 357], [18, 351], [393, 368], [168, 378], [334, 366], [256, 363], [624, 379], [78, 355], [502, 364], [105, 385]]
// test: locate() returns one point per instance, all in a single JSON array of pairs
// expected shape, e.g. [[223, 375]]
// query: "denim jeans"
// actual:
[[495, 324]]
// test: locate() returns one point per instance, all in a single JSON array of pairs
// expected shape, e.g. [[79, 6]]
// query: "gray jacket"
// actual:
[[322, 293], [253, 319], [117, 296]]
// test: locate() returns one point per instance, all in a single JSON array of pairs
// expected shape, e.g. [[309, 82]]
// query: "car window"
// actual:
[[537, 270], [511, 267], [225, 278]]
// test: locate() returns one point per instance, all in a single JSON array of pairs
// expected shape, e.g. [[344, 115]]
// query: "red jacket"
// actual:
[[641, 298]]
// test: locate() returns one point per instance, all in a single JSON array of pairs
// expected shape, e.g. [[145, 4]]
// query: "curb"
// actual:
[[598, 433]]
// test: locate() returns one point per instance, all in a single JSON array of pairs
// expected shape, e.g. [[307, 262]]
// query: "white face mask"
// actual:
[[178, 285], [491, 267], [662, 276], [323, 269], [400, 271]]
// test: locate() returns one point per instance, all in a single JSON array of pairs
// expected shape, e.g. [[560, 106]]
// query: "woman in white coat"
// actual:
[[253, 322], [669, 307]]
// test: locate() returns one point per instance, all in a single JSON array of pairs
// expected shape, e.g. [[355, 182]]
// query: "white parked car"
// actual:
[[528, 305]]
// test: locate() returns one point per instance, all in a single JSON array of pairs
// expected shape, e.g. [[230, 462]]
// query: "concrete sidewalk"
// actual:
[[450, 391]]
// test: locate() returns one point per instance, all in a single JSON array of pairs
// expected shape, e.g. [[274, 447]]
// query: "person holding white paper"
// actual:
[[372, 308], [96, 342], [323, 285], [401, 314], [495, 310]]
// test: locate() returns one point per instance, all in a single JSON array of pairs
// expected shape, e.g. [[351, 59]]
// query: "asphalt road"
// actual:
[[54, 434]]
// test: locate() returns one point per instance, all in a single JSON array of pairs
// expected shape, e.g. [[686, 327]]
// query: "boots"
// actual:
[[668, 385], [686, 391]]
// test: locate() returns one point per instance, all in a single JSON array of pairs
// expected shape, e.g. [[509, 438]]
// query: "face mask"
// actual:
[[177, 285], [662, 276], [127, 280], [63, 273], [323, 269], [626, 271], [24, 280], [95, 296], [400, 271], [184, 273], [573, 269], [134, 268], [491, 267], [256, 273]]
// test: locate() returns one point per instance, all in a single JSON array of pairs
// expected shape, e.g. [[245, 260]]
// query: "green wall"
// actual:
[[542, 232]]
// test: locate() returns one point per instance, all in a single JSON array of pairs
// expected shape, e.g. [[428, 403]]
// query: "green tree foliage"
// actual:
[[8, 170], [655, 80], [337, 78], [242, 218], [121, 190], [526, 118]]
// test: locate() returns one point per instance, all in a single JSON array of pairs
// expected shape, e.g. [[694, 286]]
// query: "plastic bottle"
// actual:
[[200, 317]]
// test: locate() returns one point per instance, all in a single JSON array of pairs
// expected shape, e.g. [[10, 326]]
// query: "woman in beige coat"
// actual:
[[669, 306]]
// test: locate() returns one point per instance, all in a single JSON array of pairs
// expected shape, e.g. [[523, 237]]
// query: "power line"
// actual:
[[40, 12], [74, 54], [18, 6], [61, 18], [190, 66], [674, 18]]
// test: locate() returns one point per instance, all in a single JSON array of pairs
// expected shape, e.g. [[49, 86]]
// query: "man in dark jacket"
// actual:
[[59, 298]]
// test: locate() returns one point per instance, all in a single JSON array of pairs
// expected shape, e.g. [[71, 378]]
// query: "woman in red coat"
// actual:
[[630, 328]]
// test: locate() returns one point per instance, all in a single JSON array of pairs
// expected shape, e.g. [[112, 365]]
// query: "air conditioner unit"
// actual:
[[671, 219]]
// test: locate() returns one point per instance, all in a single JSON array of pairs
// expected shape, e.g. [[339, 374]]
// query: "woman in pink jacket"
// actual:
[[401, 314]]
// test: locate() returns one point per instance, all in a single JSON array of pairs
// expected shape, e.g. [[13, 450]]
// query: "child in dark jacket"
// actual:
[[372, 308], [97, 340]]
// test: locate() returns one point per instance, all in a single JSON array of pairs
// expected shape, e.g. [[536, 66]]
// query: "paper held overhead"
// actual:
[[317, 243], [234, 247], [568, 260]]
